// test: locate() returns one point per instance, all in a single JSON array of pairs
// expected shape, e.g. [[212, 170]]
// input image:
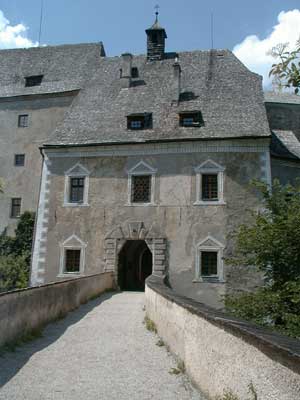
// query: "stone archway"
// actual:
[[135, 264], [136, 230]]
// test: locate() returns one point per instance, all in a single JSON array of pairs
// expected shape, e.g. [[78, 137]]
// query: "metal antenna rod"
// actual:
[[41, 21], [212, 29]]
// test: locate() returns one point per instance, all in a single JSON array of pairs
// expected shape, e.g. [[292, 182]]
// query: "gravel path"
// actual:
[[100, 351]]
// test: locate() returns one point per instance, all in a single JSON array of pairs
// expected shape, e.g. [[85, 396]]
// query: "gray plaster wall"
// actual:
[[222, 354], [23, 311], [45, 111], [174, 217]]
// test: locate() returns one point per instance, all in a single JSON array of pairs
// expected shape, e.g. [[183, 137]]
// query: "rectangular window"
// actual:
[[141, 189], [139, 121], [209, 263], [191, 119], [23, 121], [76, 190], [134, 72], [72, 260], [19, 160], [34, 80], [209, 187], [15, 207]]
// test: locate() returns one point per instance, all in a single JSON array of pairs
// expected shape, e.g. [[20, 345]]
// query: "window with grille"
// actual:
[[209, 263], [72, 260], [34, 80], [209, 187], [76, 190], [19, 160], [23, 121], [15, 207], [141, 189]]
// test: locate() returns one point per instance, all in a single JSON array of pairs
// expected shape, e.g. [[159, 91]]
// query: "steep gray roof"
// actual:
[[285, 144], [64, 68], [216, 83], [286, 98]]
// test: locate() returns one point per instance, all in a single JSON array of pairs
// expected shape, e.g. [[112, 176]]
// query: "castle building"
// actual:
[[138, 164]]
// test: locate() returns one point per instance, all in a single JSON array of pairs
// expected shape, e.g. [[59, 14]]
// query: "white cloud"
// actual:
[[253, 50], [13, 36]]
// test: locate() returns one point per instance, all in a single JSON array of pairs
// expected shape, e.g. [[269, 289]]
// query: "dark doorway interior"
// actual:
[[135, 265]]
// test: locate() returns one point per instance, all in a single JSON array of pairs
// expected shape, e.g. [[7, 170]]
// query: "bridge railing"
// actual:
[[27, 310], [221, 353]]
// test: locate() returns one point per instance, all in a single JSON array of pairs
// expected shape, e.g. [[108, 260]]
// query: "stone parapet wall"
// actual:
[[23, 311], [223, 353]]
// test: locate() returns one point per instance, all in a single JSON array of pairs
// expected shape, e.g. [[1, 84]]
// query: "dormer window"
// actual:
[[34, 80], [190, 119], [139, 121], [134, 72]]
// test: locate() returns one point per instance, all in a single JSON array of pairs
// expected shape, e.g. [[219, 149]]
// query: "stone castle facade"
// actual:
[[139, 164]]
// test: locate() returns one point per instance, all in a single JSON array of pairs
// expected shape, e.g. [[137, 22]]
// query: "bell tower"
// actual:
[[156, 36]]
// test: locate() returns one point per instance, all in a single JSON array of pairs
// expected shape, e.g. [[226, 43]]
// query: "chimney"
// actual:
[[126, 70], [176, 80]]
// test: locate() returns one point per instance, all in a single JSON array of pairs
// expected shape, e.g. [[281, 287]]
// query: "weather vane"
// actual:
[[157, 11]]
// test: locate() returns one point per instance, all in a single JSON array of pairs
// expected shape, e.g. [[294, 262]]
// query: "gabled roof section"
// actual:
[[64, 68], [229, 96], [285, 144]]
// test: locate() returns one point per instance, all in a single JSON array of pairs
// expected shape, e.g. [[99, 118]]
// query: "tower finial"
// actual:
[[156, 12]]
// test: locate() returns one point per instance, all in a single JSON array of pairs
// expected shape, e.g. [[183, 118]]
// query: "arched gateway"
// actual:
[[133, 251]]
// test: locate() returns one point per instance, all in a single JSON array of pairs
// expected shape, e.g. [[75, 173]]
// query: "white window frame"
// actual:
[[210, 167], [72, 243], [77, 171], [213, 245], [140, 169]]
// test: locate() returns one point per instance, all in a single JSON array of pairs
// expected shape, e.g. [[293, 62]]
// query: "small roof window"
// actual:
[[191, 119], [34, 80], [139, 121]]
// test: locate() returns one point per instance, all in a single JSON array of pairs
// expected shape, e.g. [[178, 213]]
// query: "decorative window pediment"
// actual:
[[76, 186], [72, 256], [209, 183], [209, 261], [73, 240], [77, 170], [209, 166], [142, 168], [141, 184]]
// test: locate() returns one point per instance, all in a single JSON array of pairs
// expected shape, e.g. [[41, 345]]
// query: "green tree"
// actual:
[[271, 243], [15, 254], [286, 72]]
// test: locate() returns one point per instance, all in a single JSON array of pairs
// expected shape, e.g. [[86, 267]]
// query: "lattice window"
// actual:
[[209, 263], [76, 189], [209, 187], [72, 260], [141, 189], [23, 121], [16, 207], [19, 160]]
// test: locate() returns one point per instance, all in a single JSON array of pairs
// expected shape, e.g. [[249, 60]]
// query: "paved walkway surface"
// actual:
[[100, 351]]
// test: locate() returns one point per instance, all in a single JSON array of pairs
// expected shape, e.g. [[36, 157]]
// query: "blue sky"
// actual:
[[121, 24]]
